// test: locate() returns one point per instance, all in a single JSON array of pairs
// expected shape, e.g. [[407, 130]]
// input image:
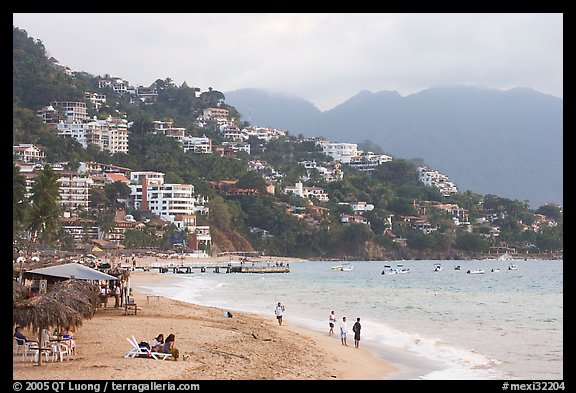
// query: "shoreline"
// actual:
[[247, 346]]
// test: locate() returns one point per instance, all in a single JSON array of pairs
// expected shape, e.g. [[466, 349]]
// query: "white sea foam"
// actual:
[[446, 325]]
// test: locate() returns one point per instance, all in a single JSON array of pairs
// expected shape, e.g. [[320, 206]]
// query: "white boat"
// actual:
[[512, 267], [346, 267], [336, 267], [457, 267], [476, 271], [389, 270], [400, 269], [437, 267], [495, 270]]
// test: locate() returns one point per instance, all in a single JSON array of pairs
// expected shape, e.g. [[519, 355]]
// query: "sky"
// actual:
[[324, 58]]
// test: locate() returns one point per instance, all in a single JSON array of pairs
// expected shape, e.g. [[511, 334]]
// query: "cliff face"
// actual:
[[228, 240]]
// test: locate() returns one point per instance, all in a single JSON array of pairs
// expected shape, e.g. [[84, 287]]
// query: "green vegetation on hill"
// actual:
[[393, 188]]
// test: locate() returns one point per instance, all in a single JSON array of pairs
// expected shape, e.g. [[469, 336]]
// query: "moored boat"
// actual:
[[476, 271], [512, 267]]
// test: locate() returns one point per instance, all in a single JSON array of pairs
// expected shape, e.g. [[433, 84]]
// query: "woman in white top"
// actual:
[[157, 343]]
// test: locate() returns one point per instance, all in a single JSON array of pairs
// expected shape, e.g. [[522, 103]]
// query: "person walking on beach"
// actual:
[[343, 331], [331, 322], [356, 329], [279, 311]]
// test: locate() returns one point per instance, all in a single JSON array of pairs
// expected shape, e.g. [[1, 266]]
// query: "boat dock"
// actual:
[[221, 268]]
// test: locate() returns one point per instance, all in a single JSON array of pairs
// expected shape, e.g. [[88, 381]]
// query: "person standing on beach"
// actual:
[[343, 331], [356, 329], [279, 311], [331, 322]]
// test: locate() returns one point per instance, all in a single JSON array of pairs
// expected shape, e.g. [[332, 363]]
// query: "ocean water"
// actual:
[[432, 325]]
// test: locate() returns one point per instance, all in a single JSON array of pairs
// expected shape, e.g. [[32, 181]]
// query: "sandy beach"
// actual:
[[212, 347]]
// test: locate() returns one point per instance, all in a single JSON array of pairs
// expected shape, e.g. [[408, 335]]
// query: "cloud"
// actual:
[[324, 58]]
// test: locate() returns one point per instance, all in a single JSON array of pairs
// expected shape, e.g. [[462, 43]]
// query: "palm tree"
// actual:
[[44, 218], [19, 202]]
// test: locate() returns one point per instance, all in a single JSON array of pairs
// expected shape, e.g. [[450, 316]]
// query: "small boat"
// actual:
[[389, 270], [477, 271], [437, 267], [401, 269], [512, 267], [457, 267], [346, 267], [495, 270], [336, 267]]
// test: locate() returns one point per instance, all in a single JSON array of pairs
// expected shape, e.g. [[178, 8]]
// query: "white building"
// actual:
[[109, 135], [342, 152], [29, 152], [368, 162], [307, 192], [149, 192], [433, 178], [75, 191], [197, 145], [74, 111], [218, 114]]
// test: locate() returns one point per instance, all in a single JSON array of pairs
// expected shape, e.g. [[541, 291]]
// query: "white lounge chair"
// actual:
[[138, 350]]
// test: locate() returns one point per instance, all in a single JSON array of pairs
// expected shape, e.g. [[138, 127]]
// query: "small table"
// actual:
[[128, 306], [148, 297]]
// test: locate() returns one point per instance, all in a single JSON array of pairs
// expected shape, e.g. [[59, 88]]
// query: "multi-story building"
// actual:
[[109, 135], [29, 152], [74, 191], [307, 192], [342, 152], [49, 115], [197, 145], [96, 99], [73, 110], [433, 178], [218, 114], [368, 162], [80, 229]]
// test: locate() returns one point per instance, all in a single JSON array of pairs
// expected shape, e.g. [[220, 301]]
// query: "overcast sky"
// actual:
[[323, 58]]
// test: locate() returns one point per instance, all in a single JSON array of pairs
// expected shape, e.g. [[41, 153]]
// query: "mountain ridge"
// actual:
[[503, 142]]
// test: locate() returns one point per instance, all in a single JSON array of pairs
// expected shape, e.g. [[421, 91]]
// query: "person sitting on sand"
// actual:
[[157, 343], [168, 346]]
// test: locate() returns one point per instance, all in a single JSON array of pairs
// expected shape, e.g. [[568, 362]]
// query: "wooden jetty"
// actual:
[[228, 268]]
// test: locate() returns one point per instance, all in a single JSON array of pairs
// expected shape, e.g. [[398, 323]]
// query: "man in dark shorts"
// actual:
[[331, 322], [279, 311], [356, 329]]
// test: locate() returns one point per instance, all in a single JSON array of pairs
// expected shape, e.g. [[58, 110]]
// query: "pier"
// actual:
[[219, 268]]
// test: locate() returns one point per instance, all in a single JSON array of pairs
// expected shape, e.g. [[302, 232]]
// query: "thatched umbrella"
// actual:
[[19, 291], [63, 307], [77, 294]]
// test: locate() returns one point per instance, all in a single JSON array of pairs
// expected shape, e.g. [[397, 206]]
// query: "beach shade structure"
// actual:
[[44, 312], [19, 291], [70, 270], [65, 306], [80, 295]]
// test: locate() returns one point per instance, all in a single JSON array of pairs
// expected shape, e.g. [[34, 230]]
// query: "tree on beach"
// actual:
[[44, 215], [19, 202]]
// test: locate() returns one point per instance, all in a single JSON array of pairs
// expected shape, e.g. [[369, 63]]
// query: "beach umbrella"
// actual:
[[71, 270], [42, 312], [81, 296], [64, 306], [19, 291]]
